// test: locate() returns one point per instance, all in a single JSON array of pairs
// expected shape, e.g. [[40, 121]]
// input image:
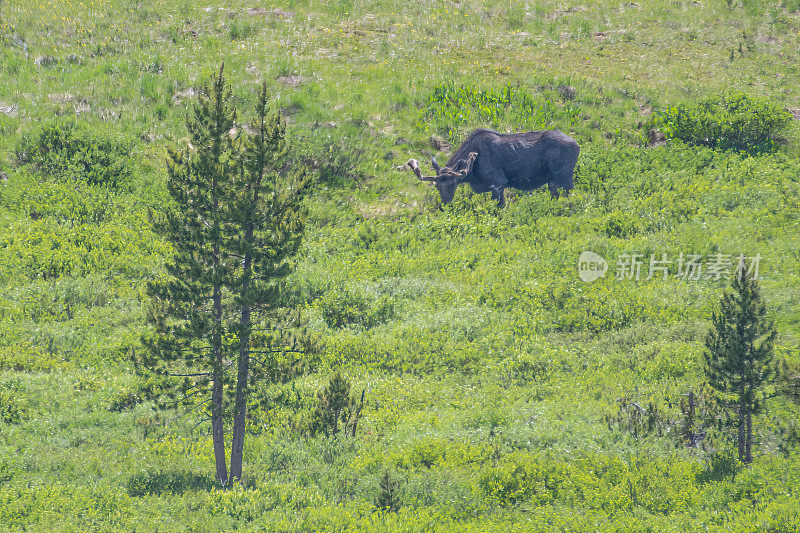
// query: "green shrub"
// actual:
[[6, 471], [517, 478], [65, 202], [13, 406], [449, 107], [241, 30], [413, 349], [720, 465], [167, 481], [125, 400], [337, 156], [69, 151], [47, 250], [730, 121], [28, 357], [620, 224], [637, 420], [595, 308], [342, 308]]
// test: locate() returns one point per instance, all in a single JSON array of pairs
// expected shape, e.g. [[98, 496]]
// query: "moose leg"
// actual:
[[497, 194], [553, 190], [496, 182]]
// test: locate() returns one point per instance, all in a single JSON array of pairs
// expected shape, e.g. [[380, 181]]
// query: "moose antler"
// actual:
[[414, 165]]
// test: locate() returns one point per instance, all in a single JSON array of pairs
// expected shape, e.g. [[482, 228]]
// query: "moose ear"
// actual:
[[435, 165], [468, 163]]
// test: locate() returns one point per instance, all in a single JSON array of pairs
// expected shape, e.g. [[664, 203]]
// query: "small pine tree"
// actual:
[[738, 355], [387, 498], [336, 406]]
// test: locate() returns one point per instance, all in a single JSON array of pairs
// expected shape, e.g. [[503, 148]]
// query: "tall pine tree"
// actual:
[[739, 351], [269, 219], [235, 223], [187, 309]]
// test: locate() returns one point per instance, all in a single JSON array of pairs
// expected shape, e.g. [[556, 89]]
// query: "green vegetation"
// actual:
[[160, 482], [67, 151], [335, 407], [500, 392], [387, 498], [731, 121]]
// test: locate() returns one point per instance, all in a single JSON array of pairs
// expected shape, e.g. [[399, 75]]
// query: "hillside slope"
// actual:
[[501, 391]]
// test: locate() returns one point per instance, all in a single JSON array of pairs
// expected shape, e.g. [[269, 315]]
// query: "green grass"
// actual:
[[490, 369]]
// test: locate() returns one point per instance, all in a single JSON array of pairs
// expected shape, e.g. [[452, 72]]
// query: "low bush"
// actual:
[[125, 400], [730, 121], [342, 308], [449, 107], [45, 249], [69, 151], [167, 481], [13, 406], [28, 357], [337, 157]]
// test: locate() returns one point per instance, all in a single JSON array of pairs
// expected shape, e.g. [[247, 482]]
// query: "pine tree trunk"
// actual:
[[217, 416], [742, 437], [242, 376], [748, 455], [218, 428]]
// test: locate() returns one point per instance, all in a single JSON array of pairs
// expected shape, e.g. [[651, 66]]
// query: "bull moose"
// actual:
[[490, 161]]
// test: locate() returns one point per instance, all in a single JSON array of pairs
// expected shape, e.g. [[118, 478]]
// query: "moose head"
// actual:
[[446, 178]]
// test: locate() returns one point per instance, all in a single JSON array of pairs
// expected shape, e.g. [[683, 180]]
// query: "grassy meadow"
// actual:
[[501, 392]]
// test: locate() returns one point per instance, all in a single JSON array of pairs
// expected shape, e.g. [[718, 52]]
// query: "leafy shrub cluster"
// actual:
[[54, 505], [47, 250], [125, 400], [342, 308], [413, 350], [449, 106], [167, 481], [71, 152], [598, 482], [730, 121], [43, 301], [27, 357], [337, 157], [13, 406]]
